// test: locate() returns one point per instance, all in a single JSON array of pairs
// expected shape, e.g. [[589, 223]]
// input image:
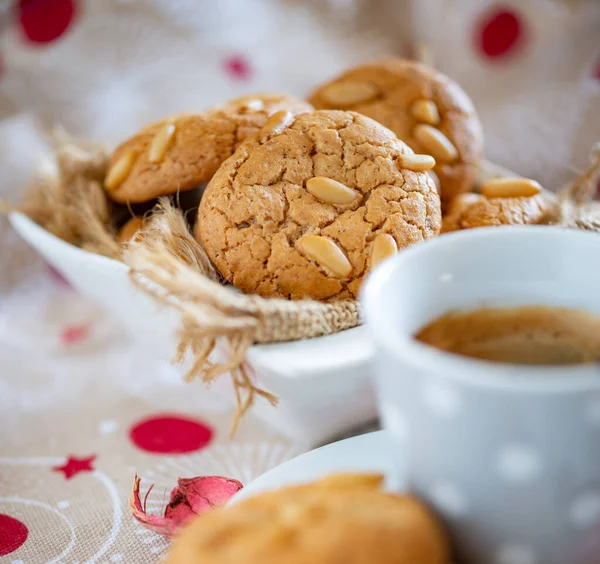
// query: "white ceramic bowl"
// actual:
[[323, 384]]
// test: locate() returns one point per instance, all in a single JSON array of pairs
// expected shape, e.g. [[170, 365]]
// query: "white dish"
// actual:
[[365, 453], [323, 384]]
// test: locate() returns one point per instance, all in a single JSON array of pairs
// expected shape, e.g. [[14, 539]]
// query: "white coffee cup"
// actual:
[[508, 455]]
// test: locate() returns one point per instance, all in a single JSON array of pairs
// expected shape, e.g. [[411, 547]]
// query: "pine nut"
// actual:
[[416, 163], [253, 105], [161, 143], [120, 170], [511, 188], [325, 252], [348, 93], [276, 124], [435, 143], [384, 246], [330, 191], [425, 111]]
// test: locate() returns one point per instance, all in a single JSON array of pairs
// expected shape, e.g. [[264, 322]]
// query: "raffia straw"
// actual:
[[574, 207], [68, 200], [423, 53]]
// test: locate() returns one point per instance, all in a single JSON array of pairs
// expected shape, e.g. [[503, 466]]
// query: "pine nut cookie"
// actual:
[[184, 151], [500, 203], [309, 205], [423, 107], [342, 518]]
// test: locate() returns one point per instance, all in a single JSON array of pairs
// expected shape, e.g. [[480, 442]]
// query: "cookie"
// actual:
[[502, 202], [339, 519], [307, 207], [425, 109], [182, 152]]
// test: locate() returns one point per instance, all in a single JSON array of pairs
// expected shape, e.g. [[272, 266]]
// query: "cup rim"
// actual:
[[449, 366]]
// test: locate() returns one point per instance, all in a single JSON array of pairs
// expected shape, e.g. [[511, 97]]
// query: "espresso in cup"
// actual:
[[521, 335]]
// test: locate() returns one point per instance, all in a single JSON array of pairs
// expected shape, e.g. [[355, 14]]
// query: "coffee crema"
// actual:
[[520, 335]]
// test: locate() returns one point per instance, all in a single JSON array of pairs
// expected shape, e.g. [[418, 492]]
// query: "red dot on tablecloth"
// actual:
[[595, 72], [44, 21], [499, 32], [13, 534], [170, 434], [74, 334], [238, 67]]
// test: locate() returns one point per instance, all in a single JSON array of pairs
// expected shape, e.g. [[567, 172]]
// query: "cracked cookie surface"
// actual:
[[182, 152], [474, 210], [418, 104], [341, 518], [267, 232]]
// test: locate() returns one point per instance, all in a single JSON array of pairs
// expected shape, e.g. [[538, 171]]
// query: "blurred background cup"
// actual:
[[508, 455]]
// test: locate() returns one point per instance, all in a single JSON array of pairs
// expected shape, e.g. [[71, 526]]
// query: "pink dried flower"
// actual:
[[191, 496]]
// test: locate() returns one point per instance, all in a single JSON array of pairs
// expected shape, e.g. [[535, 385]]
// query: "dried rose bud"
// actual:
[[191, 496]]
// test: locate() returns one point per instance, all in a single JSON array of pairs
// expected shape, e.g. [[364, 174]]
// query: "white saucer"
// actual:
[[365, 453]]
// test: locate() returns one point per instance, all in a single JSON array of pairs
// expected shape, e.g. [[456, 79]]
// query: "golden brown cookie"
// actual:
[[183, 151], [308, 206], [340, 519], [475, 210], [425, 109]]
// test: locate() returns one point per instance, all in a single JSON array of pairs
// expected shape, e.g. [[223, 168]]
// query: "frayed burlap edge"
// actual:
[[167, 263]]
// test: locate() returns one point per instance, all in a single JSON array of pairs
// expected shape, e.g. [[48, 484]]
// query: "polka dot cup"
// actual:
[[508, 455]]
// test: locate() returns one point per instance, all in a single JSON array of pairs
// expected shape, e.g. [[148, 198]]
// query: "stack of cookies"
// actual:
[[297, 200], [177, 156]]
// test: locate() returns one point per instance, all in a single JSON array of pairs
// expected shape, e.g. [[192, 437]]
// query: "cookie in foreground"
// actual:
[[307, 207], [183, 151], [423, 107], [342, 518]]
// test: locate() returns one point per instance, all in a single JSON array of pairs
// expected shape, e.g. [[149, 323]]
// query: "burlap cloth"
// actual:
[[70, 383]]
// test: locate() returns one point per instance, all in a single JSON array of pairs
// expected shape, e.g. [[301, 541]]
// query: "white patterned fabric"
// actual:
[[75, 392]]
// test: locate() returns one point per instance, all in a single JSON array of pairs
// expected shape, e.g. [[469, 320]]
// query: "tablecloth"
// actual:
[[82, 405]]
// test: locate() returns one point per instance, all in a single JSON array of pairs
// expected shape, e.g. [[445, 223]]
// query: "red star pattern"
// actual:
[[74, 465]]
